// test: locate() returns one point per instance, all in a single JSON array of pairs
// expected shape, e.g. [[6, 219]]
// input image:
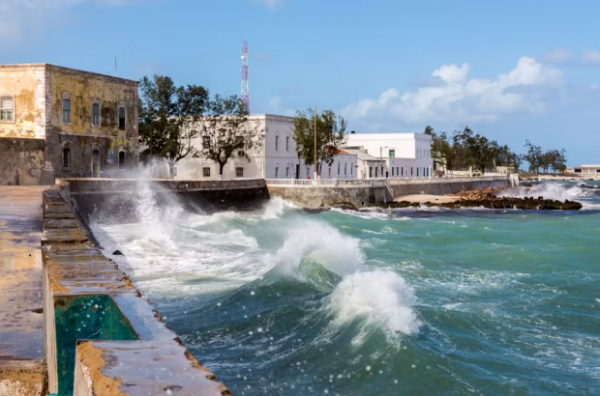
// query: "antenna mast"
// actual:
[[245, 94]]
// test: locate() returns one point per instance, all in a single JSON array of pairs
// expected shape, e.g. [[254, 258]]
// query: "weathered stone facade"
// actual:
[[85, 124]]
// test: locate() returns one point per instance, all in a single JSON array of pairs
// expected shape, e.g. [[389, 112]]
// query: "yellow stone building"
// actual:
[[59, 122]]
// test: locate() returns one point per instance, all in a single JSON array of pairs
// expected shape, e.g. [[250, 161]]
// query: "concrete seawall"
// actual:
[[102, 337], [360, 196], [116, 199]]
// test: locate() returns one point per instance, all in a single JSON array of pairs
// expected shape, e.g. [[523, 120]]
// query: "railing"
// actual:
[[377, 182]]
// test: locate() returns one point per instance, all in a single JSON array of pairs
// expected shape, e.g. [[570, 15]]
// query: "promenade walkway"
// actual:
[[22, 367]]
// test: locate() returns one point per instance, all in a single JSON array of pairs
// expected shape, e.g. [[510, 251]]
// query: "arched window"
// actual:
[[121, 159], [66, 110], [95, 114], [95, 163], [66, 157], [122, 114]]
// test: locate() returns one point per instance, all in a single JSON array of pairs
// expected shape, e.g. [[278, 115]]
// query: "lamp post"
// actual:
[[381, 159]]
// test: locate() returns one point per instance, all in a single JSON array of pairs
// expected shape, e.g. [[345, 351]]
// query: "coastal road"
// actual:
[[22, 366]]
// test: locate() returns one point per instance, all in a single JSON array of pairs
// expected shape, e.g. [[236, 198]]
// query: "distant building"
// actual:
[[364, 156], [391, 155], [276, 158], [60, 122], [586, 169]]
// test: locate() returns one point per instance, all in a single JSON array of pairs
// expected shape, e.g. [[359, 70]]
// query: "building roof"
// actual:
[[590, 166], [64, 69], [361, 154], [388, 136]]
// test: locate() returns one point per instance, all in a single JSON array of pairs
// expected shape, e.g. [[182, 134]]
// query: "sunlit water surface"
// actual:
[[411, 302]]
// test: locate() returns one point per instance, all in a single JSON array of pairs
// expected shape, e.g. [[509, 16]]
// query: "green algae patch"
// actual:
[[85, 318]]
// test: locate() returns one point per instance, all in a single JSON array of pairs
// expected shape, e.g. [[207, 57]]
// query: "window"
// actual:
[[345, 169], [392, 154], [287, 171], [276, 172], [392, 171], [402, 171], [339, 165], [287, 143], [66, 157], [96, 114], [66, 108], [276, 143], [121, 117], [307, 171], [206, 142], [239, 172], [7, 108], [417, 172], [206, 171], [411, 170], [370, 171], [121, 159], [376, 169]]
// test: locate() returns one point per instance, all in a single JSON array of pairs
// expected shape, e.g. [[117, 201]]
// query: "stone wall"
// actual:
[[22, 162], [120, 200], [26, 85], [317, 196], [80, 136]]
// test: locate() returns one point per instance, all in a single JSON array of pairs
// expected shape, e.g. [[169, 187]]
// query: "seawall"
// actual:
[[308, 195], [116, 199], [102, 337]]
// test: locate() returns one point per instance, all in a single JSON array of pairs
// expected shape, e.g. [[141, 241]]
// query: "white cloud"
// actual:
[[460, 99], [452, 74], [591, 57], [558, 55]]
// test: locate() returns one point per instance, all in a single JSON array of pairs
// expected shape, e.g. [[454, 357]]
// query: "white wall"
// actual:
[[344, 166], [411, 150]]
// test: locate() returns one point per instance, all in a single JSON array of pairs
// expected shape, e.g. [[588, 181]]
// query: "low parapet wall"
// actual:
[[116, 199], [380, 191], [102, 336]]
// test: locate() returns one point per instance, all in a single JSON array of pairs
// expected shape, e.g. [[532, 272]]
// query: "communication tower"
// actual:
[[245, 95]]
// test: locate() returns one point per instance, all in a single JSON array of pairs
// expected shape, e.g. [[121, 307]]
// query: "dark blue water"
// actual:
[[413, 302]]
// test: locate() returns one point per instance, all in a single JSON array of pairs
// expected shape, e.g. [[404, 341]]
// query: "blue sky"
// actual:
[[512, 70]]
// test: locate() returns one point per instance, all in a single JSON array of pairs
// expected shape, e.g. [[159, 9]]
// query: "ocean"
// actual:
[[378, 302]]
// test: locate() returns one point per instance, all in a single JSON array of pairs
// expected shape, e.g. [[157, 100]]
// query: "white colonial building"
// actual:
[[391, 155], [367, 156]]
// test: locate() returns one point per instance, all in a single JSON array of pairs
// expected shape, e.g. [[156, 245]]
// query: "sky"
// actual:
[[510, 70]]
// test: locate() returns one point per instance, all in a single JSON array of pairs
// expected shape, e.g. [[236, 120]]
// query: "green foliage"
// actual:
[[538, 159], [226, 131], [330, 136], [168, 117], [469, 150]]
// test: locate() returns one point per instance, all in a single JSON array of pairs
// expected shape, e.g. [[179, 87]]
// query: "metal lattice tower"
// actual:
[[245, 95]]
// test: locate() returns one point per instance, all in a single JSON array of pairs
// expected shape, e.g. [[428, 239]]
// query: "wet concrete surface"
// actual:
[[21, 316], [21, 322]]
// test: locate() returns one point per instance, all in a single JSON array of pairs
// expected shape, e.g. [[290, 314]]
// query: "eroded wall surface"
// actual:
[[22, 162], [27, 86], [79, 134]]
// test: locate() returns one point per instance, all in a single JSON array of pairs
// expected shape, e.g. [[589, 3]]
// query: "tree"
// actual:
[[480, 152], [533, 156], [330, 136], [226, 131], [168, 115]]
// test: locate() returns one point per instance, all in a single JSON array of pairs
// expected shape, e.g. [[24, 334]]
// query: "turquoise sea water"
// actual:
[[410, 302]]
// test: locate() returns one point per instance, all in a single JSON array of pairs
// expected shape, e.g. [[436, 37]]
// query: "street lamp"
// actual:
[[381, 159]]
